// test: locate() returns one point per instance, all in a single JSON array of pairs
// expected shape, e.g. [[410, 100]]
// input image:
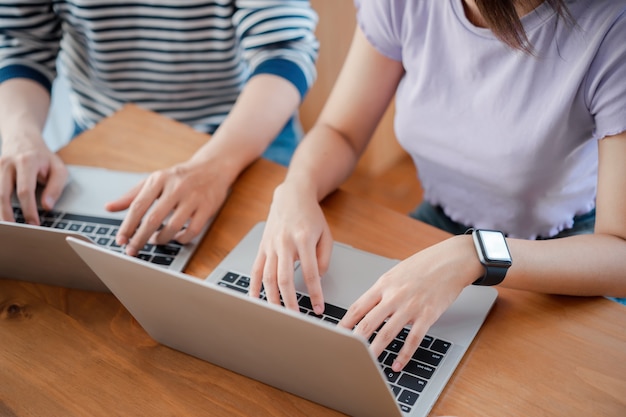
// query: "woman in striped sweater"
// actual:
[[237, 69]]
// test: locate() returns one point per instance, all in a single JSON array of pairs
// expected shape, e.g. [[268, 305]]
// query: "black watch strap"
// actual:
[[493, 276]]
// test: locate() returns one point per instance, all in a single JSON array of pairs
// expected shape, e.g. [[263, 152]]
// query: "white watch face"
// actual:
[[494, 245]]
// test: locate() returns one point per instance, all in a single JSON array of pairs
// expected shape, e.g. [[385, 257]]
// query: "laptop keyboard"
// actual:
[[408, 384], [102, 231]]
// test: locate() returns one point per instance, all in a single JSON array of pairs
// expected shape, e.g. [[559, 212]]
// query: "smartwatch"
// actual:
[[493, 253]]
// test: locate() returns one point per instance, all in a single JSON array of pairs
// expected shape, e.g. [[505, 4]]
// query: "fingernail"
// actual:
[[318, 309], [396, 366], [49, 202]]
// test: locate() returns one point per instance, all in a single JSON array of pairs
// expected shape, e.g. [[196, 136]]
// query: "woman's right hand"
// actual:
[[296, 230], [24, 163]]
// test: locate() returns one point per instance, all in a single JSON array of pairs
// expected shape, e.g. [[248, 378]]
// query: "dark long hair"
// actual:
[[502, 19]]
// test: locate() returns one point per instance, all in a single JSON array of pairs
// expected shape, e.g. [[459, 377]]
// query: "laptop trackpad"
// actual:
[[350, 274]]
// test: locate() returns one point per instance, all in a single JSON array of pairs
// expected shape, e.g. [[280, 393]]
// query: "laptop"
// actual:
[[298, 352], [40, 254]]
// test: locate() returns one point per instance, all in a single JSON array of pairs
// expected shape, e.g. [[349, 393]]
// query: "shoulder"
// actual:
[[388, 25]]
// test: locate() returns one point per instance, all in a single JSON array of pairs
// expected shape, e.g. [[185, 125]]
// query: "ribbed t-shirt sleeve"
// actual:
[[381, 23], [606, 82], [278, 37], [30, 33]]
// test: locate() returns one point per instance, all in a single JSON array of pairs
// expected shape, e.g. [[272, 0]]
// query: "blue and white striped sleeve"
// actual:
[[30, 35], [278, 37]]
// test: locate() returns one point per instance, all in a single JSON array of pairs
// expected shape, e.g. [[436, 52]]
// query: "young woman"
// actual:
[[515, 115], [237, 69]]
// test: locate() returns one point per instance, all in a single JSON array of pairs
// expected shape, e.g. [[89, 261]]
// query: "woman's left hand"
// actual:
[[415, 292]]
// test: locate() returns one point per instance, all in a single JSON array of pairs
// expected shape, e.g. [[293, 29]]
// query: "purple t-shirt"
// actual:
[[502, 139]]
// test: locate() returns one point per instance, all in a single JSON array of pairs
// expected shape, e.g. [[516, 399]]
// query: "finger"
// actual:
[[324, 251], [195, 224], [256, 277], [285, 280], [411, 343], [311, 277], [270, 280], [125, 200], [25, 186], [146, 230], [360, 308], [387, 333], [7, 182], [172, 226], [54, 187], [138, 209], [371, 322]]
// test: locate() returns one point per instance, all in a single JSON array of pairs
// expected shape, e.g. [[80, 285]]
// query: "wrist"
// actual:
[[21, 141], [221, 165], [469, 262]]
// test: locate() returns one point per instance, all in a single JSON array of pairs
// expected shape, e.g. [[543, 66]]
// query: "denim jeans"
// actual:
[[282, 148], [434, 215]]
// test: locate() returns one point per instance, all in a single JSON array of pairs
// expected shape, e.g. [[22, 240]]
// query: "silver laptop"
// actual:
[[301, 353], [40, 253]]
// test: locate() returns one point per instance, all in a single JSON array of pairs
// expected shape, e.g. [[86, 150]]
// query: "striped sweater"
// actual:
[[186, 59]]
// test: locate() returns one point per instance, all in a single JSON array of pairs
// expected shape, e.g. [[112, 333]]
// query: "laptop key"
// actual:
[[412, 383], [419, 369], [391, 375], [329, 309], [334, 311], [440, 346], [408, 397], [230, 277], [428, 357], [162, 260], [170, 250]]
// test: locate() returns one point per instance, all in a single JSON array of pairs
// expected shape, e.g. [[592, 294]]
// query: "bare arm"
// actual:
[[360, 96], [585, 264], [592, 264], [194, 190], [25, 158], [296, 229]]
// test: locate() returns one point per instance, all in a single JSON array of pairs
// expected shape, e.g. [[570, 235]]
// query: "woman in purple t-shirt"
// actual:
[[515, 115]]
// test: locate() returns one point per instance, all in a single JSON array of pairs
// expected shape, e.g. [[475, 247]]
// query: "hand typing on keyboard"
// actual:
[[309, 242], [415, 292], [26, 165], [171, 204]]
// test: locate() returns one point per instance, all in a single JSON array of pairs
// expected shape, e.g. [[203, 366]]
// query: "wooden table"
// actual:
[[76, 353]]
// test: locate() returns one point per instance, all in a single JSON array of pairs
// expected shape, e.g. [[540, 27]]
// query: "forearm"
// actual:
[[322, 162], [585, 264], [24, 106], [579, 265], [263, 108]]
